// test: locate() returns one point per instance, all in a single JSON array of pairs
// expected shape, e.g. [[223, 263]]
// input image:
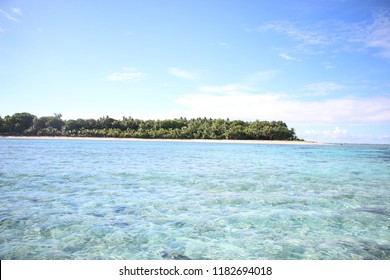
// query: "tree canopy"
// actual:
[[26, 124]]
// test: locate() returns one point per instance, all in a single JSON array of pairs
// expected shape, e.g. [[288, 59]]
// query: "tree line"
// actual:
[[26, 124]]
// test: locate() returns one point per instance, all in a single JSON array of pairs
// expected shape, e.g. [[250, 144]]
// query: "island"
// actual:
[[26, 124]]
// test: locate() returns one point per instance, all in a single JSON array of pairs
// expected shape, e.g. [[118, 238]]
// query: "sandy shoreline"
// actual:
[[277, 142]]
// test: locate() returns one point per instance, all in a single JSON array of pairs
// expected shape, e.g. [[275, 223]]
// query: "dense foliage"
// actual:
[[25, 124]]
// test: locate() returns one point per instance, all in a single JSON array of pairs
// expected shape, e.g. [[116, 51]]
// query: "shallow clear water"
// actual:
[[69, 199]]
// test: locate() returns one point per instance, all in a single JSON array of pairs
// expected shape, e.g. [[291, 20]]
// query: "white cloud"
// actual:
[[260, 77], [379, 34], [329, 134], [248, 85], [224, 45], [311, 132], [127, 74], [8, 16], [288, 57], [221, 44], [323, 88], [336, 133], [305, 35], [339, 135], [17, 11], [327, 65], [180, 73], [341, 36], [230, 89], [271, 106]]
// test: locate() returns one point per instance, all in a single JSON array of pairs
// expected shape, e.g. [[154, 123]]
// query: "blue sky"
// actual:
[[323, 67]]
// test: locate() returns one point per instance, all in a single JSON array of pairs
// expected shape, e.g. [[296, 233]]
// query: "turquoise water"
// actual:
[[70, 199]]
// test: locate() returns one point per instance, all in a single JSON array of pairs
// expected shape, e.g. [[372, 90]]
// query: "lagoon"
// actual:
[[76, 199]]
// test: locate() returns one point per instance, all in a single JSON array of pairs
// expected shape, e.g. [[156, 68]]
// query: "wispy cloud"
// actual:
[[8, 16], [127, 74], [327, 65], [323, 88], [260, 77], [307, 36], [230, 89], [339, 36], [224, 45], [288, 57], [379, 34], [17, 11], [248, 84], [220, 44], [180, 73]]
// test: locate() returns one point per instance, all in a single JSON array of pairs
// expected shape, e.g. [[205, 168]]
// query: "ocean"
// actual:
[[88, 200]]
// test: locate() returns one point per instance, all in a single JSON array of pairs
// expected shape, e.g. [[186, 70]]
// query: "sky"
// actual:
[[322, 67]]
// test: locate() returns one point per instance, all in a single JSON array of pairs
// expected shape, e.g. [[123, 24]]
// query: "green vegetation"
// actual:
[[25, 124]]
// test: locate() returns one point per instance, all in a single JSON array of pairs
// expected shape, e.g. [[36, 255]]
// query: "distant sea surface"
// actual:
[[70, 199]]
